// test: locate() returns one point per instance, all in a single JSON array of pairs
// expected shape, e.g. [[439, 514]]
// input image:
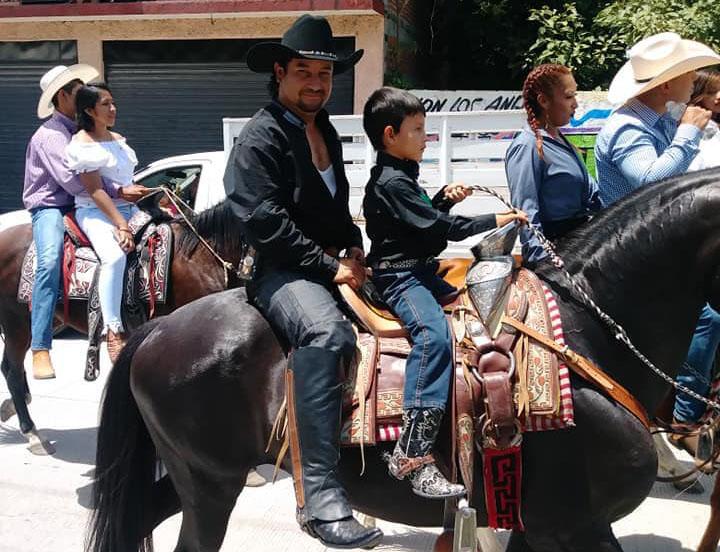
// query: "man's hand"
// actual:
[[356, 253], [133, 193], [352, 273], [501, 219], [697, 116], [457, 192]]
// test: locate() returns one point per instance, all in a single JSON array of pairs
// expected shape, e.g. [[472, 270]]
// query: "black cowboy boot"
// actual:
[[314, 384], [412, 457]]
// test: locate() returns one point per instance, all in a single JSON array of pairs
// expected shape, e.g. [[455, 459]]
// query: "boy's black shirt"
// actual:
[[403, 222], [285, 208]]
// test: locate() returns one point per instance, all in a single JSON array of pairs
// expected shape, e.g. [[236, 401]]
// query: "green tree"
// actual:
[[565, 37], [595, 47]]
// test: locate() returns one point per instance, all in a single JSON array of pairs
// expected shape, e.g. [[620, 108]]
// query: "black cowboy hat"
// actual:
[[310, 37]]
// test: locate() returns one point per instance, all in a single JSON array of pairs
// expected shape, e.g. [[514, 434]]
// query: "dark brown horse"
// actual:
[[200, 388], [195, 272]]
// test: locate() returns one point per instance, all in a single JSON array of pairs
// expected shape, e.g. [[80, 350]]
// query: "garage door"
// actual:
[[21, 66], [172, 95]]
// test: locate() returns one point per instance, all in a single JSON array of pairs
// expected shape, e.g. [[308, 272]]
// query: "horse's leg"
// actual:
[[165, 503], [206, 505], [17, 342], [711, 537]]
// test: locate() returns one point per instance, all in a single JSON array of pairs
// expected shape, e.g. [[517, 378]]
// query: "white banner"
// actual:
[[593, 107]]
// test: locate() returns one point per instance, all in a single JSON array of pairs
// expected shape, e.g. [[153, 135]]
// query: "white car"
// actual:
[[197, 178]]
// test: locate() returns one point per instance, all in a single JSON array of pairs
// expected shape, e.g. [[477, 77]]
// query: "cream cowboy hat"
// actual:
[[656, 60], [56, 78]]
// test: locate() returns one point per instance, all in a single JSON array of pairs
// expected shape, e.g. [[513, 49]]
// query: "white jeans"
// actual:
[[100, 232]]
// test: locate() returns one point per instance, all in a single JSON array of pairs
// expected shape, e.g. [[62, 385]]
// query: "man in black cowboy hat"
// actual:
[[286, 181]]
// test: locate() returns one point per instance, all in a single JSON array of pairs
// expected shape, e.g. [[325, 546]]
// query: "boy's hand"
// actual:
[[457, 192], [501, 219]]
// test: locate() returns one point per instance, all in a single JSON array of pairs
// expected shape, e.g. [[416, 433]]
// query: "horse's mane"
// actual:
[[641, 221], [218, 224]]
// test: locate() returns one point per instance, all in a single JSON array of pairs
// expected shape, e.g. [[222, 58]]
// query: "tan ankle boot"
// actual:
[[42, 365], [115, 344]]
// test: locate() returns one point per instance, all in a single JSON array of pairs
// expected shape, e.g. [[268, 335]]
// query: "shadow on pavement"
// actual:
[[668, 492], [72, 445], [651, 543]]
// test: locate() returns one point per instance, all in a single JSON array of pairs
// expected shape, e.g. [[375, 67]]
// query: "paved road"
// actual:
[[44, 500]]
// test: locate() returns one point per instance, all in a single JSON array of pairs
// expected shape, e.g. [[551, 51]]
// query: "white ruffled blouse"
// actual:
[[114, 159]]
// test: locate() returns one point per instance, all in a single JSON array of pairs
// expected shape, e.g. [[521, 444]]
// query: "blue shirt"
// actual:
[[555, 188], [638, 146]]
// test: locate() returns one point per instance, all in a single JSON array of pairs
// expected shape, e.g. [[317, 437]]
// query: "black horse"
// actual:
[[199, 390], [194, 273]]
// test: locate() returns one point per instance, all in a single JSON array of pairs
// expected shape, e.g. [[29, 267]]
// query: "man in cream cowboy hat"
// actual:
[[48, 194], [286, 182], [642, 143]]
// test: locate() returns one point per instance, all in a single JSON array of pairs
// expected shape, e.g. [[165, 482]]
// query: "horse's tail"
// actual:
[[125, 463]]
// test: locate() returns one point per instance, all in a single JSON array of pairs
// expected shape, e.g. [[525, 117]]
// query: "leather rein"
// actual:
[[180, 207]]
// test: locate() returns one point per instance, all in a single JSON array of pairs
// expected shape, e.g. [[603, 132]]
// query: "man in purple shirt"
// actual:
[[48, 194]]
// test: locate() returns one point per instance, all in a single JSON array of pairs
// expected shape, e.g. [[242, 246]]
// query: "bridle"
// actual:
[[181, 206]]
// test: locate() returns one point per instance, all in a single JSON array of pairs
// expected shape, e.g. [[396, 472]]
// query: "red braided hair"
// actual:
[[542, 79]]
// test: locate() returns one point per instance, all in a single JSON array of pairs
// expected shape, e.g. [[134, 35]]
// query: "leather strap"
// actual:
[[407, 465], [587, 370]]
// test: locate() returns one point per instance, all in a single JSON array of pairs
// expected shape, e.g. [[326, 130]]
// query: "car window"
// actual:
[[181, 180]]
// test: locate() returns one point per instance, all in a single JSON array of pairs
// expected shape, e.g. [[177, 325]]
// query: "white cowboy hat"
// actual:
[[656, 60], [56, 78]]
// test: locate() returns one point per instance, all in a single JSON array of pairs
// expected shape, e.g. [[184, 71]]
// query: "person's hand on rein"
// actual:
[[352, 273], [501, 219], [457, 192], [125, 239], [133, 193]]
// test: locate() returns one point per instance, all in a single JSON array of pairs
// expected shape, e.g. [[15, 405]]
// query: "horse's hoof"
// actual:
[[690, 486], [37, 445], [7, 410]]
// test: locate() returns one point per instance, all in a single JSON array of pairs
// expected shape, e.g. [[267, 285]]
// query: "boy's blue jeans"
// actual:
[[697, 371], [48, 231], [412, 295]]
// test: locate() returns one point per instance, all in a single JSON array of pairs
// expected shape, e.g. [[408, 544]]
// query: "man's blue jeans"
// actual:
[[697, 371], [412, 295], [48, 230]]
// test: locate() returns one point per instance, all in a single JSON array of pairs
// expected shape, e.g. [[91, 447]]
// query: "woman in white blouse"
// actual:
[[706, 93], [96, 152]]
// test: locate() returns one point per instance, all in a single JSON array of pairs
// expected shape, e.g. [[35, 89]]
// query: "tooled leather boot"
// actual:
[[314, 382], [413, 459]]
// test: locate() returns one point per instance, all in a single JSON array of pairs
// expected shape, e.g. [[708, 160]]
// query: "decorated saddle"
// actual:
[[511, 373], [149, 270], [145, 284]]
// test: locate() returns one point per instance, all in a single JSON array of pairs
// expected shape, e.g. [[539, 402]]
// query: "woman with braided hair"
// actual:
[[546, 176]]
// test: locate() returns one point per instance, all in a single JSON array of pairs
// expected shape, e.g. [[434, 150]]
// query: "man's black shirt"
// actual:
[[403, 222], [285, 208]]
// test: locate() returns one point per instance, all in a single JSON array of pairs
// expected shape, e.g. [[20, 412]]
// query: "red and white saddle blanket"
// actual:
[[149, 269]]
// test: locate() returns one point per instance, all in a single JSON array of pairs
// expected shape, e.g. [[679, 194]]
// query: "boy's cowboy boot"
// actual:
[[42, 365], [412, 457], [314, 388]]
